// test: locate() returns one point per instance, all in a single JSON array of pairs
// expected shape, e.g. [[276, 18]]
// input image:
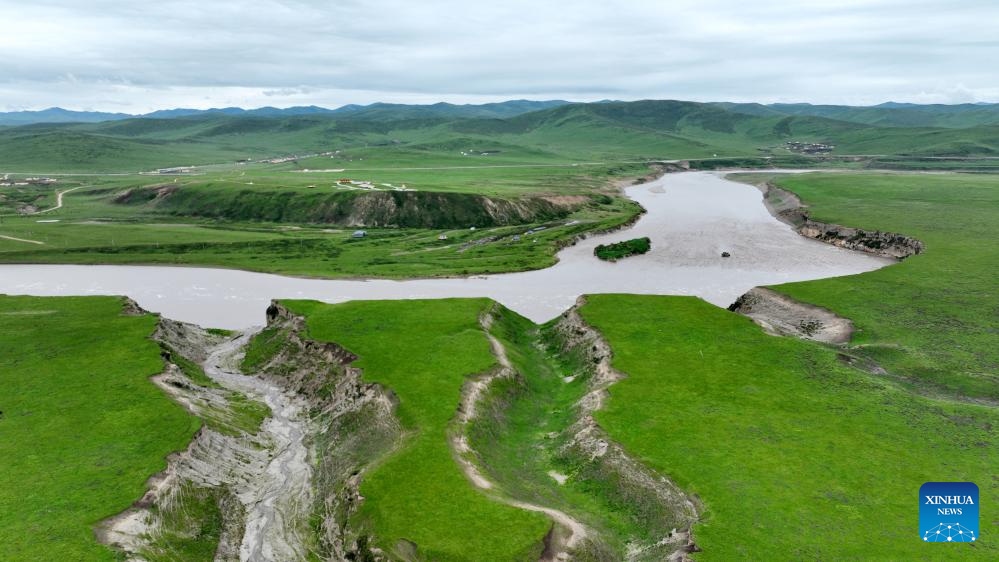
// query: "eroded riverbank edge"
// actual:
[[788, 208], [780, 315]]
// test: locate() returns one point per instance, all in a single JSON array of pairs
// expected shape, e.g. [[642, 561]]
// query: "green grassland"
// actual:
[[82, 428], [424, 351], [647, 129], [887, 115], [276, 217], [794, 454], [788, 447], [526, 413], [932, 319], [93, 228]]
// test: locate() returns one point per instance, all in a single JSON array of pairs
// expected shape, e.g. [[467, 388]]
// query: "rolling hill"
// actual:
[[884, 115], [563, 132]]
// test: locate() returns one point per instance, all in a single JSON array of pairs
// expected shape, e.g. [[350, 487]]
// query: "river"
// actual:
[[691, 218]]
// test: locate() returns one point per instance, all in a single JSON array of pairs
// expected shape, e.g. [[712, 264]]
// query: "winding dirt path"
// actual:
[[58, 205], [561, 547], [21, 240], [278, 499], [59, 196]]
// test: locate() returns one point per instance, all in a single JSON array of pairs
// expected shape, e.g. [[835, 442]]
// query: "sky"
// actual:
[[135, 57]]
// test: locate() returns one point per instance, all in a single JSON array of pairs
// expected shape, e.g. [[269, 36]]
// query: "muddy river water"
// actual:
[[692, 218]]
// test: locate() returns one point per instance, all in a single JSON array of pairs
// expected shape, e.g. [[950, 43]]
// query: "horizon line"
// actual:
[[566, 102]]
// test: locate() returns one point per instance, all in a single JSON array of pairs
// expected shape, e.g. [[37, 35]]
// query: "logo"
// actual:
[[948, 512]]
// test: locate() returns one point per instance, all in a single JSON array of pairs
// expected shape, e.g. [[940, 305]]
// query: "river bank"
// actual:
[[691, 219]]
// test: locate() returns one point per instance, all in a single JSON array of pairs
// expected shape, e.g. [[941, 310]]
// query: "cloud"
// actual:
[[288, 92], [114, 54]]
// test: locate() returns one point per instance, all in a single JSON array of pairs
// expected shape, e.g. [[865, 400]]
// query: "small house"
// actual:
[[360, 233], [442, 236]]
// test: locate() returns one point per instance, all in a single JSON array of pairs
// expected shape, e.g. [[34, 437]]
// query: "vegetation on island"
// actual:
[[618, 250]]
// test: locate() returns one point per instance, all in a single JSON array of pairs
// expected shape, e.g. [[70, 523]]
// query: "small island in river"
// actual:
[[618, 250]]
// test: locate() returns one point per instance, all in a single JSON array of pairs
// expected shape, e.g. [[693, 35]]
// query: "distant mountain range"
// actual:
[[557, 132], [375, 111], [889, 114]]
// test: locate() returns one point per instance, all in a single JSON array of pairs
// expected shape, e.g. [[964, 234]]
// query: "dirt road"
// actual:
[[58, 205], [563, 544], [21, 240], [59, 197]]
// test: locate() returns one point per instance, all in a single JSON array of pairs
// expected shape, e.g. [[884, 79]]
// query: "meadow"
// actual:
[[794, 453], [930, 321], [790, 450], [237, 209], [267, 221], [82, 428], [424, 351]]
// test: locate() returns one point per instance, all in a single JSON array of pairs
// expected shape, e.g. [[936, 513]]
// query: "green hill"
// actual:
[[648, 129], [884, 115], [66, 150]]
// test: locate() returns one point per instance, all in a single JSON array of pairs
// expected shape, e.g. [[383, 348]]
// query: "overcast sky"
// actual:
[[134, 57]]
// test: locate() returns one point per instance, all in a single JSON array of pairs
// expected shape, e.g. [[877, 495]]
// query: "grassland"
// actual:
[[277, 217], [91, 228], [932, 319], [795, 454], [650, 129], [424, 351], [82, 427], [525, 413], [790, 450]]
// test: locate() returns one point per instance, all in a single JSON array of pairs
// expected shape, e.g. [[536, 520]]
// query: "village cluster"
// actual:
[[7, 181], [364, 185], [292, 158], [809, 147]]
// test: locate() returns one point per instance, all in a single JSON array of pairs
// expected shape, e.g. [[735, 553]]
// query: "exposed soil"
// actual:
[[408, 209], [354, 422], [781, 315], [269, 473], [279, 498], [328, 427]]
